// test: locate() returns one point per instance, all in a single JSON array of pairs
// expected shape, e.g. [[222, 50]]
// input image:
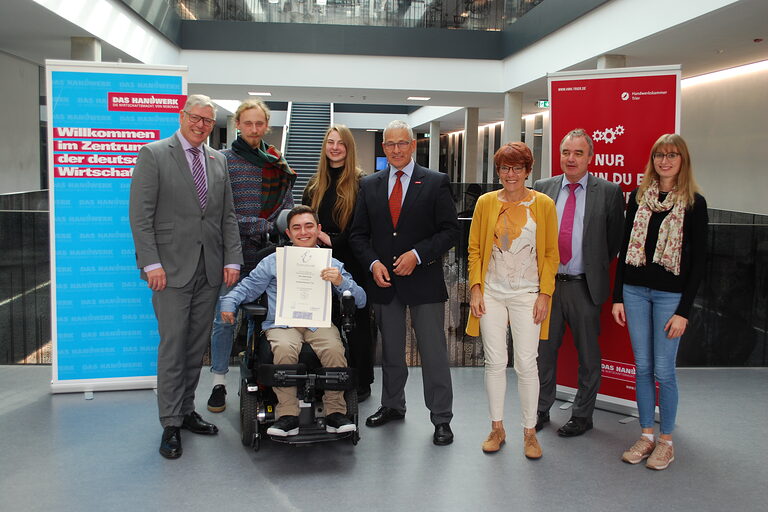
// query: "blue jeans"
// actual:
[[647, 311], [222, 337]]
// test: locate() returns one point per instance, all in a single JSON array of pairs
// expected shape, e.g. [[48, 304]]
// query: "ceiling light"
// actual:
[[419, 98], [252, 93], [371, 130], [725, 73]]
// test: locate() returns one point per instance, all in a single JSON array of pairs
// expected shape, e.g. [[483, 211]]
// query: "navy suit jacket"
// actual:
[[427, 223]]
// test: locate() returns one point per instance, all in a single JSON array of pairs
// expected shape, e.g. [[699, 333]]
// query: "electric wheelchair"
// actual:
[[258, 376]]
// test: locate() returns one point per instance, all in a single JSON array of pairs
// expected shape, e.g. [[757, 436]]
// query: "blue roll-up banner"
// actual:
[[104, 332]]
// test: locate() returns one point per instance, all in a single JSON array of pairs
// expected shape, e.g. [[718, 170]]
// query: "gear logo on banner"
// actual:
[[608, 135]]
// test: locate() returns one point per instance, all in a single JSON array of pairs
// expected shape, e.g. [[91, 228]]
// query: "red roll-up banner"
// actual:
[[624, 111]]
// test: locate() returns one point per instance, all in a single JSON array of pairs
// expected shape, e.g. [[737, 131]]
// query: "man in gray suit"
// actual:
[[187, 244], [590, 214]]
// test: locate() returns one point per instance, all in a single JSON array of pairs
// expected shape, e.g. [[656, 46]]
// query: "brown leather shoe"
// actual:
[[495, 439], [531, 445]]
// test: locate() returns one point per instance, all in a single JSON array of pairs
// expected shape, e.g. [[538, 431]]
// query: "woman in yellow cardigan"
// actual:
[[513, 259]]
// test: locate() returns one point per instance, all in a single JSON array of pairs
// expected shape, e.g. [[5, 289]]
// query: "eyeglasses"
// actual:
[[505, 169], [668, 156], [401, 144], [194, 119]]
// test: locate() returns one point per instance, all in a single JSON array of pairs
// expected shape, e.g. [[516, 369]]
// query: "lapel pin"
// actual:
[[417, 183]]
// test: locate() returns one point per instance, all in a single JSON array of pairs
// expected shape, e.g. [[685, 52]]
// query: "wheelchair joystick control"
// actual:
[[347, 311]]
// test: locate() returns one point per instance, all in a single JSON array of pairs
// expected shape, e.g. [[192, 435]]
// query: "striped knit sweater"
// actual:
[[245, 178]]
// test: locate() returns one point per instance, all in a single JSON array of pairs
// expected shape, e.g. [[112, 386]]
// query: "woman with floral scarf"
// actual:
[[660, 266]]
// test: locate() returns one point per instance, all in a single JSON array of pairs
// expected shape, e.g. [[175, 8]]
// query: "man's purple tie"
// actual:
[[566, 226], [198, 174]]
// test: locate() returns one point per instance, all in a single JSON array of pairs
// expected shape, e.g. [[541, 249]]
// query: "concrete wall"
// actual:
[[20, 129], [724, 123]]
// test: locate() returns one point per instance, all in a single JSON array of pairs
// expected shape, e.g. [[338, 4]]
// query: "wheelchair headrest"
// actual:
[[281, 223]]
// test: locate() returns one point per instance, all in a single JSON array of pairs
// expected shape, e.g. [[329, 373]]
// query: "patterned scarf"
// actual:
[[670, 242], [276, 175]]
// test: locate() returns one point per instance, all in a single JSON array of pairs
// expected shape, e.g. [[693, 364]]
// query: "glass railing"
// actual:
[[25, 291], [728, 326], [450, 14]]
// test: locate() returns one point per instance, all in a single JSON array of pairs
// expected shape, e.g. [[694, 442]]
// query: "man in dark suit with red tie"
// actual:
[[405, 221]]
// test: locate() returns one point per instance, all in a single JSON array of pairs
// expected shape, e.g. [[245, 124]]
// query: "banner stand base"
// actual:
[[628, 419], [604, 402], [566, 405], [91, 385]]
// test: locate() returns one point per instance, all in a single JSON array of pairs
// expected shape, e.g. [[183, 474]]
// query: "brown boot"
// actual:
[[531, 445], [495, 439]]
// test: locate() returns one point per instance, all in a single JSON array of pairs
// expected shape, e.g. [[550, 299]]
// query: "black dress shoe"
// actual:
[[541, 419], [443, 434], [170, 444], [384, 415], [575, 427], [197, 425]]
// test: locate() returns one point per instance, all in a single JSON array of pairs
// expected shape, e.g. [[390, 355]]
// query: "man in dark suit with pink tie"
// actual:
[[405, 221]]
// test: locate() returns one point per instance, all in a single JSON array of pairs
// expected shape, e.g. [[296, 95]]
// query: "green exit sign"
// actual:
[[542, 103]]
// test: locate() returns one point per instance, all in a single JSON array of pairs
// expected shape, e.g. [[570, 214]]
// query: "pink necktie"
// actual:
[[198, 174], [566, 226], [396, 199]]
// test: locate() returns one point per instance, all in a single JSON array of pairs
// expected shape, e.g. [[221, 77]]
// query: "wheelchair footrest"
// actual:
[[311, 434]]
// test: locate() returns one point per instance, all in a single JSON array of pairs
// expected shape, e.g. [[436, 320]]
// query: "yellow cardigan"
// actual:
[[481, 242]]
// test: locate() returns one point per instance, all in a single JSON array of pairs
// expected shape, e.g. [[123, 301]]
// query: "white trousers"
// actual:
[[517, 312]]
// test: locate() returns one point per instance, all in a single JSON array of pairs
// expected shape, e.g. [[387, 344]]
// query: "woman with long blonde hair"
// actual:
[[661, 264], [332, 192]]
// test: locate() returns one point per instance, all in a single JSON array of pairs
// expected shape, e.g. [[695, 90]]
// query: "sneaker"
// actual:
[[284, 426], [218, 400], [662, 456], [639, 451], [338, 423], [531, 446], [495, 439]]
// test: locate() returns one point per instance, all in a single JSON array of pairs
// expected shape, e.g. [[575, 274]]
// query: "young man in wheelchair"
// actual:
[[285, 342]]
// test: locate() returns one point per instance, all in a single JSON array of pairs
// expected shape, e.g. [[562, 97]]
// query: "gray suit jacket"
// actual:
[[168, 225], [603, 221]]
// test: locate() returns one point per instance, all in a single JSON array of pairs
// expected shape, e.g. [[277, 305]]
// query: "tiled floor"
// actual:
[[65, 453]]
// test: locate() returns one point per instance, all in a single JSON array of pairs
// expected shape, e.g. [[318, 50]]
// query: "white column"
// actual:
[[530, 125], [231, 131], [489, 170], [469, 161], [546, 148], [513, 112], [608, 61], [85, 48], [434, 145]]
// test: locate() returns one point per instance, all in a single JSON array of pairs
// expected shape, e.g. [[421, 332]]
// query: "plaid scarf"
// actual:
[[277, 177], [669, 245]]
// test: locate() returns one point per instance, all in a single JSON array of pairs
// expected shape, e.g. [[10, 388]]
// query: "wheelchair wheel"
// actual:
[[350, 396], [249, 434]]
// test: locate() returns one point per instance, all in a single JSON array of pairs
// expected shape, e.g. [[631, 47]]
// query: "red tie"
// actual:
[[396, 199], [566, 226]]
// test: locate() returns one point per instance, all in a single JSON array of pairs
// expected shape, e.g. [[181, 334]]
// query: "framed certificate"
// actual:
[[303, 297]]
